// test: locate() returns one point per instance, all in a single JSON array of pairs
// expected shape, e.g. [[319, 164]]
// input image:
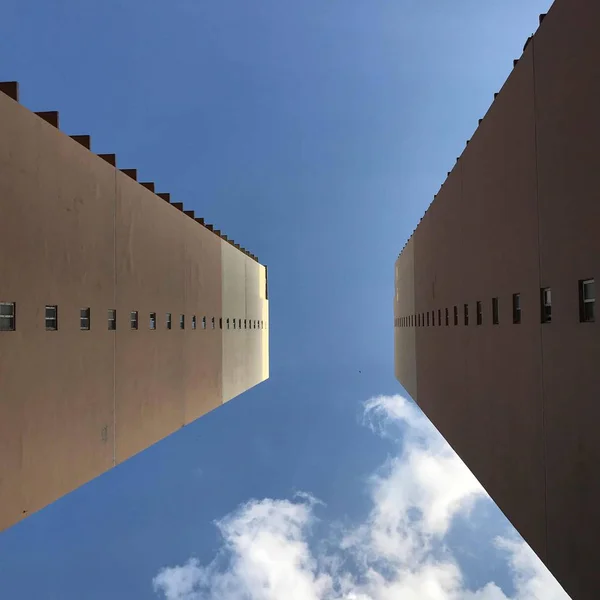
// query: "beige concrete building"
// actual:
[[122, 316]]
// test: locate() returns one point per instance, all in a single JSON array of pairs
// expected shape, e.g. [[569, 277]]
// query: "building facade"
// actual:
[[494, 311], [122, 316]]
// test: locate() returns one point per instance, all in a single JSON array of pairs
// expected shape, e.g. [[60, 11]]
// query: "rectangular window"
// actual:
[[495, 312], [466, 309], [84, 319], [194, 322], [587, 301], [479, 312], [516, 308], [51, 318], [181, 321], [133, 319], [455, 315], [112, 319], [152, 320], [546, 305], [169, 321], [7, 316], [447, 317]]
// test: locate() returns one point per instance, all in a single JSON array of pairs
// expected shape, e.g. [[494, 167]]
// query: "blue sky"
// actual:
[[315, 134]]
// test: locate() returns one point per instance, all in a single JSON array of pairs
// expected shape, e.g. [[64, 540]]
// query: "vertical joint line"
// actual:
[[537, 199], [115, 331]]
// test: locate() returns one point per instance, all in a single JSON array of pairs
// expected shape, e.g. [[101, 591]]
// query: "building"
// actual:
[[122, 316], [494, 310]]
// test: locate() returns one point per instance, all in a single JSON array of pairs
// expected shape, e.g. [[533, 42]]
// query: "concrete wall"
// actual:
[[518, 212], [77, 232], [404, 304]]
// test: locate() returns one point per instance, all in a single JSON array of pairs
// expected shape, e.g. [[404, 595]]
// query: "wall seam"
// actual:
[[114, 336], [187, 273], [537, 198]]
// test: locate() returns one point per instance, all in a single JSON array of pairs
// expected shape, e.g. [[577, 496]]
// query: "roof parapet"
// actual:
[[130, 173], [111, 159], [84, 140], [11, 89], [50, 116]]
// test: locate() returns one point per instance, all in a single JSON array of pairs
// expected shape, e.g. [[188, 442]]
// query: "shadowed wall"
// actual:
[[519, 212]]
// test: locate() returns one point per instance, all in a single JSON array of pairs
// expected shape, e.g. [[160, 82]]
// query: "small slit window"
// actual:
[[227, 322], [213, 322], [439, 317], [152, 321], [516, 308], [447, 317], [112, 319], [181, 321], [84, 319], [479, 309], [455, 315], [194, 322], [466, 313], [204, 323], [169, 321], [546, 305], [7, 316], [587, 301], [495, 311], [51, 317], [133, 319], [427, 318]]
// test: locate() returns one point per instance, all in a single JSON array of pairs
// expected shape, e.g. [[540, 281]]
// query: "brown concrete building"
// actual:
[[495, 336], [122, 317]]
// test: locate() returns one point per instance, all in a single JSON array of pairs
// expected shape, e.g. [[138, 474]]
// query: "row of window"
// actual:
[[587, 310], [8, 312]]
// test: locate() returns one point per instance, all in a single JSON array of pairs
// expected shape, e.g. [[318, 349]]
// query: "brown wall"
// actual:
[[76, 232], [519, 212]]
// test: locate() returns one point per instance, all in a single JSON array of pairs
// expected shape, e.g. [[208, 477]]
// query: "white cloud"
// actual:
[[269, 551]]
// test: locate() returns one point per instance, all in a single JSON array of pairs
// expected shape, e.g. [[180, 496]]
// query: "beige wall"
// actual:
[[404, 305], [76, 232]]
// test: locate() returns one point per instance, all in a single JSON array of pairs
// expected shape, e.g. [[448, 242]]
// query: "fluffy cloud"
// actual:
[[269, 551]]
